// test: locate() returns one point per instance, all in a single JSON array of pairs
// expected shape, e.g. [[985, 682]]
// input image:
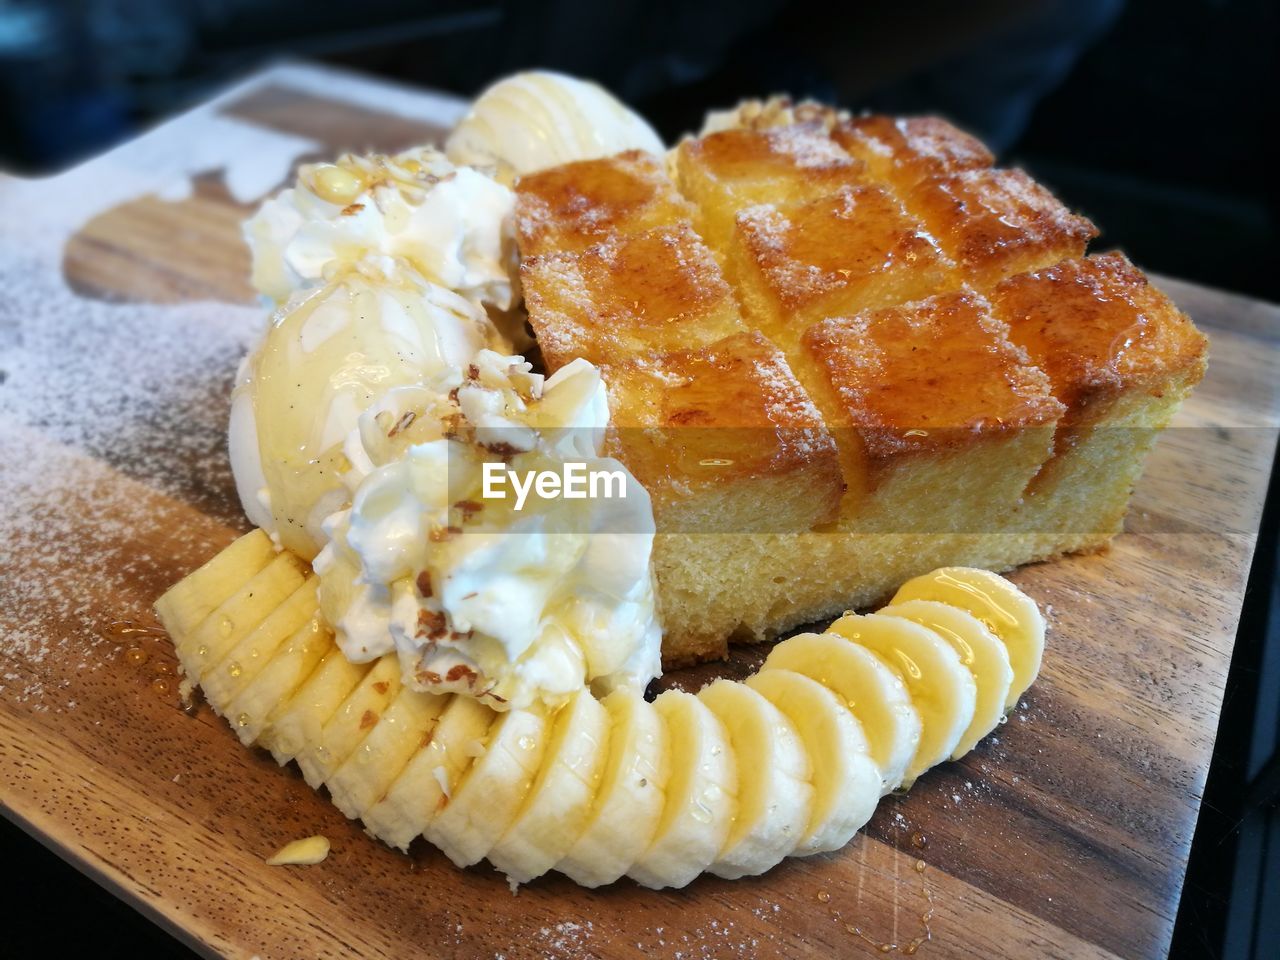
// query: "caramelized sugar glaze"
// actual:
[[859, 331]]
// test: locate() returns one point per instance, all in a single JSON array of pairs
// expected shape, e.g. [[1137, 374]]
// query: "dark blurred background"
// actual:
[[1157, 118]]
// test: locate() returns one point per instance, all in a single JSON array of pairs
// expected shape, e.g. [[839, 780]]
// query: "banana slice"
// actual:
[[846, 781], [195, 596], [299, 721], [941, 689], [776, 795], [250, 710], [701, 795], [432, 774], [246, 659], [363, 778], [629, 801], [980, 650], [236, 617], [359, 713], [1004, 609], [875, 694], [555, 809], [491, 793]]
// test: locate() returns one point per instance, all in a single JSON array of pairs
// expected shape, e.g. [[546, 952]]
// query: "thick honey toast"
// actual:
[[975, 389]]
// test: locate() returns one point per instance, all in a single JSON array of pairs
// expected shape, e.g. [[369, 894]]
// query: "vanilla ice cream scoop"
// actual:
[[451, 223], [538, 119], [325, 358]]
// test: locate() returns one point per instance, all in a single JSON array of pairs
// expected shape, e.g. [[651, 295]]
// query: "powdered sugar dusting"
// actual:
[[112, 416], [808, 147]]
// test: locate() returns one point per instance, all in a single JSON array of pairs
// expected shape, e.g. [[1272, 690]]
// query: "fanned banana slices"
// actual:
[[790, 763]]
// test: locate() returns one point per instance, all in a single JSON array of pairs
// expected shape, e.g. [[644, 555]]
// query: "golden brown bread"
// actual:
[[881, 355]]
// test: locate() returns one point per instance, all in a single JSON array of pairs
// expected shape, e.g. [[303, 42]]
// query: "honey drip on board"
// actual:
[[912, 946], [124, 631], [134, 633]]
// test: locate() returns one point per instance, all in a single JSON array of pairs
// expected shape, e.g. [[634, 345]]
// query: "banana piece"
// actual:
[[1004, 609], [876, 695], [941, 689], [846, 781], [775, 799], [364, 777], [629, 800], [432, 774], [556, 806], [981, 651], [236, 617], [251, 708], [492, 791], [359, 713], [246, 659], [701, 795], [195, 596], [299, 722]]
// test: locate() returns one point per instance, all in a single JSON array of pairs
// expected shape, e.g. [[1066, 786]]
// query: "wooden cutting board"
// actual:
[[124, 310]]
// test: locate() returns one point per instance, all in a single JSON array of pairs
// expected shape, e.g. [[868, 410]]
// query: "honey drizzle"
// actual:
[[133, 633], [910, 948], [125, 630]]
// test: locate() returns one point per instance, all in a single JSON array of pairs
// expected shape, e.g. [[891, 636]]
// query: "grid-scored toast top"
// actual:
[[629, 295], [575, 205], [851, 238], [753, 165], [901, 228], [930, 374], [718, 414], [1097, 326], [995, 223], [906, 150]]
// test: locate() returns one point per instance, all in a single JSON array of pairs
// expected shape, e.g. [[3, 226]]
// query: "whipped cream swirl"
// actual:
[[477, 596], [451, 223]]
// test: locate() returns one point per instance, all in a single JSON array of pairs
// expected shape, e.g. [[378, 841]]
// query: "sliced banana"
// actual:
[[237, 616], [347, 729], [941, 689], [980, 650], [555, 808], [195, 596], [364, 777], [876, 695], [846, 781], [432, 774], [251, 709], [1004, 609], [299, 721], [731, 780], [776, 795], [629, 801], [491, 793], [701, 797], [246, 659]]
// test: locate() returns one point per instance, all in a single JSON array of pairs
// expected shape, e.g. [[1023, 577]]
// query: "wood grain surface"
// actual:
[[1064, 835]]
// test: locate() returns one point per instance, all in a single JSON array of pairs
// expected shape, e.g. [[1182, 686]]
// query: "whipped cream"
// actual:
[[326, 357], [452, 223], [515, 606], [538, 119]]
